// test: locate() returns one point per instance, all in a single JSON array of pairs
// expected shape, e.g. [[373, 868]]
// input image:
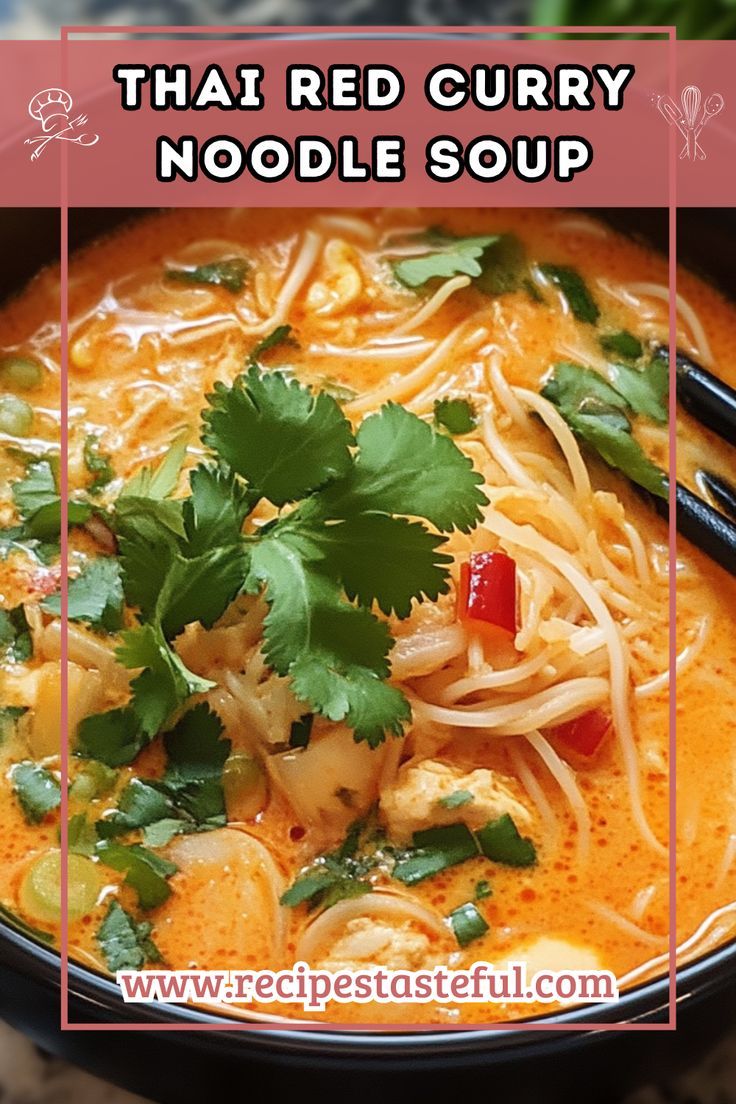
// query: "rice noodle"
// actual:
[[565, 778], [529, 781], [684, 659], [435, 303], [628, 927], [379, 905], [298, 272]]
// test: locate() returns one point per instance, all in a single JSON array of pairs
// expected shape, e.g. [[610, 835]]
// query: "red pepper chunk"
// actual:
[[585, 734], [487, 595]]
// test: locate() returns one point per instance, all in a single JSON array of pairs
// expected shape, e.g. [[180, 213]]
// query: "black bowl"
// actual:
[[526, 1066]]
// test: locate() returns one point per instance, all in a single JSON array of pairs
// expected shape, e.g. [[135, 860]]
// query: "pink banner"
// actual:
[[613, 119]]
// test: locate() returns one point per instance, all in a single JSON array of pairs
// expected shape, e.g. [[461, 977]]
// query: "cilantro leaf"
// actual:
[[596, 413], [500, 841], [457, 416], [459, 256], [483, 890], [37, 790], [113, 738], [16, 642], [159, 481], [575, 290], [335, 653], [335, 876], [621, 344], [467, 923], [164, 685], [126, 943], [196, 757], [145, 872], [646, 389], [98, 464], [229, 274], [37, 499], [199, 589], [139, 805], [284, 440], [378, 558], [505, 266], [434, 850], [404, 466], [81, 836], [95, 596], [215, 511]]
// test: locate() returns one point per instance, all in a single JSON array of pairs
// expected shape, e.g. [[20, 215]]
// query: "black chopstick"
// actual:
[[710, 401], [706, 527]]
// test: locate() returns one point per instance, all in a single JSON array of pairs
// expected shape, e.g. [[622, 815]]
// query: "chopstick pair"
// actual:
[[712, 403]]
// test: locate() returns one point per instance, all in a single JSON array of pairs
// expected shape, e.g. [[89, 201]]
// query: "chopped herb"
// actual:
[[501, 842], [596, 413], [95, 596], [160, 480], [575, 291], [495, 262], [98, 464], [229, 274], [125, 942], [190, 795], [340, 392], [457, 416], [81, 835], [9, 717], [37, 790], [95, 779], [114, 738], [37, 499], [435, 849], [280, 336], [456, 800], [621, 344], [467, 923], [301, 731], [483, 890], [335, 876], [645, 389], [145, 872], [16, 643]]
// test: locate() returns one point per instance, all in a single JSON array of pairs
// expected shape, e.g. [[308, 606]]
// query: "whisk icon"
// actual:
[[688, 118]]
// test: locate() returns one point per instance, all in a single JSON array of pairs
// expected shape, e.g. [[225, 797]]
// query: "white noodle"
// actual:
[[565, 778], [628, 927], [529, 781], [440, 297], [298, 273], [684, 659]]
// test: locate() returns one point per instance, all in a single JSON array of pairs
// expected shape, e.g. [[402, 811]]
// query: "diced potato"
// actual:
[[86, 695]]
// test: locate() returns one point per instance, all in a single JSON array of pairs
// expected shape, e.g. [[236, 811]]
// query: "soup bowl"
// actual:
[[178, 1053]]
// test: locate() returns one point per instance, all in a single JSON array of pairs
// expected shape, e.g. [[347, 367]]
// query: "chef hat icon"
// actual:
[[46, 105]]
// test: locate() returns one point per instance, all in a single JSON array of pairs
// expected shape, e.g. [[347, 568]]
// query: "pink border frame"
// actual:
[[398, 1028]]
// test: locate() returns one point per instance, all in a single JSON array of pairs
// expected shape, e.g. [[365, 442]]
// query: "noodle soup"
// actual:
[[368, 661]]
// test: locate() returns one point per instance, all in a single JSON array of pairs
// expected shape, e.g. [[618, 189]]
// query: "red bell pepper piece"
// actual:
[[487, 596], [585, 734]]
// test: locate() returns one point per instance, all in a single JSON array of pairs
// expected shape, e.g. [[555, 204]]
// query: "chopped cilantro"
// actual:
[[159, 481], [596, 413], [37, 499], [125, 942], [456, 800], [483, 890], [145, 872], [495, 262], [457, 416], [621, 344], [113, 738], [229, 274], [16, 643], [645, 389], [467, 923], [37, 790], [435, 849], [95, 779], [500, 841], [98, 464], [575, 291], [334, 876], [95, 596], [81, 835]]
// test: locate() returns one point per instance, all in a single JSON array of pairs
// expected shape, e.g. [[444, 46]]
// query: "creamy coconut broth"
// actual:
[[526, 709]]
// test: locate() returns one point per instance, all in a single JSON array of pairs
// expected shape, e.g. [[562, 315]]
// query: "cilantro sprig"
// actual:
[[360, 523]]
